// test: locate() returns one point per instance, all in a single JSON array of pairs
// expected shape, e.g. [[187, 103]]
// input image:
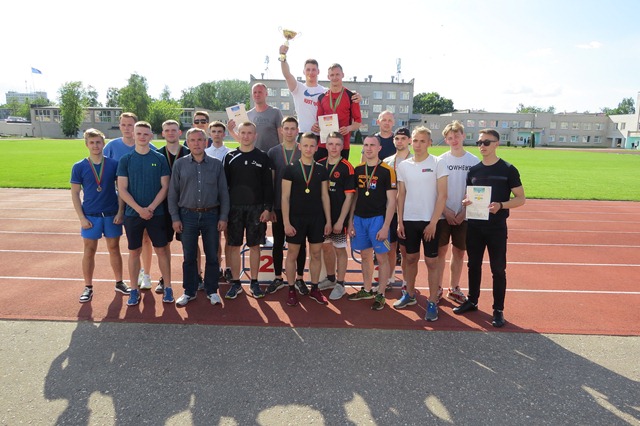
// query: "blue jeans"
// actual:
[[193, 225]]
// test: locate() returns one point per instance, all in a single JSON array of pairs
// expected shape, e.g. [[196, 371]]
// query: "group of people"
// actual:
[[283, 173]]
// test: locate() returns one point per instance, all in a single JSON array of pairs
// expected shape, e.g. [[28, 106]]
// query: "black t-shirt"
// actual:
[[249, 178], [301, 202], [376, 180], [341, 182], [501, 177], [388, 147]]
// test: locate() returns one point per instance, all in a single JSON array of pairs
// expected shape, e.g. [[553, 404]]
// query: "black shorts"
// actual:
[[156, 228], [393, 231], [414, 233], [308, 228], [247, 218], [457, 234]]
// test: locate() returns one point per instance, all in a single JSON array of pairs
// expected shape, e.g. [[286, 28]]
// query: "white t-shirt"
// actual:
[[458, 167], [421, 183], [305, 100], [218, 153]]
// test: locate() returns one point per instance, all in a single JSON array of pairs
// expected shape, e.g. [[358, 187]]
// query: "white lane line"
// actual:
[[514, 290], [574, 245]]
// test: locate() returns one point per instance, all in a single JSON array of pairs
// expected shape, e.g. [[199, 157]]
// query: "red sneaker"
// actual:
[[292, 299], [317, 295]]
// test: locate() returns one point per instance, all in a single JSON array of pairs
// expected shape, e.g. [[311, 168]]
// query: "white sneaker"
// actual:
[[184, 299], [337, 292], [214, 298], [140, 277], [326, 284], [146, 282]]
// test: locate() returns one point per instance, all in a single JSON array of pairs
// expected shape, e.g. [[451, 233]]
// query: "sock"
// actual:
[[340, 282], [314, 286], [89, 286], [292, 287], [236, 282], [254, 281], [331, 278]]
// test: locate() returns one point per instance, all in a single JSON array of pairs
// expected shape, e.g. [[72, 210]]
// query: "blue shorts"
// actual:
[[366, 230], [101, 226]]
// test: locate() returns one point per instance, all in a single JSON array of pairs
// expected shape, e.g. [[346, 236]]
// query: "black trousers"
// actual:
[[494, 240]]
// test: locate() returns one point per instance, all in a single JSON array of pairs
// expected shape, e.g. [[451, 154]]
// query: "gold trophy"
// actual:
[[288, 35]]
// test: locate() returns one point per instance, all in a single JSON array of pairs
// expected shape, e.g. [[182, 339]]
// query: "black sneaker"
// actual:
[[275, 285], [86, 295], [467, 306], [122, 287], [160, 287], [227, 275], [302, 288], [498, 319]]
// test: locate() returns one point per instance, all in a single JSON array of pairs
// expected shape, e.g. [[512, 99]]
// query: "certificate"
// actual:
[[327, 124], [480, 197], [238, 114]]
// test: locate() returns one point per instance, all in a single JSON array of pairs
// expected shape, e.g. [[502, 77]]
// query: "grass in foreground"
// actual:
[[546, 173]]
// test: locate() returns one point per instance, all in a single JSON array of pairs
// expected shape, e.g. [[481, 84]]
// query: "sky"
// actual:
[[490, 55]]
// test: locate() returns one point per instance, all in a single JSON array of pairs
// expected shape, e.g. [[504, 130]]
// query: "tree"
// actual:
[[626, 106], [431, 103], [92, 97], [233, 92], [203, 96], [73, 100], [113, 94], [534, 109], [166, 94], [161, 111], [134, 97]]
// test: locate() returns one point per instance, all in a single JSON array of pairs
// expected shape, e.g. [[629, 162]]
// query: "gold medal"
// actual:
[[307, 190], [366, 193], [99, 188]]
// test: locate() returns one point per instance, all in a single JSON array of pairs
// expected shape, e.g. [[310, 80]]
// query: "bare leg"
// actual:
[[89, 260], [315, 261], [115, 257], [366, 257], [433, 278], [147, 252], [254, 261], [384, 272], [134, 267], [412, 271], [291, 262], [329, 254], [164, 263], [343, 258], [442, 260], [457, 262], [232, 257]]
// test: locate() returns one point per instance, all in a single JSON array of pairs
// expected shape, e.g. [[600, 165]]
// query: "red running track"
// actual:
[[573, 268]]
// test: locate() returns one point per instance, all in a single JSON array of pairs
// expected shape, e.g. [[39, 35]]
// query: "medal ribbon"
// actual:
[[334, 167], [333, 106], [97, 177], [370, 177], [287, 159], [307, 179]]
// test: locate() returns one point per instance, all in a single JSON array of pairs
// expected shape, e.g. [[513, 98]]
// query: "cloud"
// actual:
[[592, 45], [518, 90]]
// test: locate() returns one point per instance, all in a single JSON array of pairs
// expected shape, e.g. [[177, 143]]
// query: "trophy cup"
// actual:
[[288, 35]]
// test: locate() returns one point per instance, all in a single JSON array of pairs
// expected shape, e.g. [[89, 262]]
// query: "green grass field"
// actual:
[[546, 173]]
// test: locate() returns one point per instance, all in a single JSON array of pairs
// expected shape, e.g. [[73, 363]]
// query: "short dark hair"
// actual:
[[290, 119], [312, 62], [309, 135], [490, 132]]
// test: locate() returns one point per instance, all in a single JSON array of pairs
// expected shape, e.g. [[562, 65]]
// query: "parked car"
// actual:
[[11, 119]]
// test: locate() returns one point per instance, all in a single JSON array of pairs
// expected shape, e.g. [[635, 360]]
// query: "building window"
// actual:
[[365, 100], [575, 125], [103, 116], [471, 123], [284, 92], [391, 108], [364, 128], [43, 115], [403, 109], [492, 123], [586, 126], [623, 126], [364, 113], [574, 138], [284, 106], [562, 139], [271, 91], [597, 139], [469, 136], [598, 126], [564, 125], [434, 126], [586, 139], [552, 125], [551, 138], [505, 124], [391, 95], [377, 94], [527, 124], [515, 124], [613, 126], [404, 96], [87, 117], [504, 137], [186, 117], [377, 108]]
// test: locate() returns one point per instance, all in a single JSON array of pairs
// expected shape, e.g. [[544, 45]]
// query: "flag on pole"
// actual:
[[35, 71]]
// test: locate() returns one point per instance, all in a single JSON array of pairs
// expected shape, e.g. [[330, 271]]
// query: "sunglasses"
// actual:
[[200, 121], [485, 142]]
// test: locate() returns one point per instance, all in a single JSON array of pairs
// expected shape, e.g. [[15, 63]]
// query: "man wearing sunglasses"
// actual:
[[491, 234], [201, 121]]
